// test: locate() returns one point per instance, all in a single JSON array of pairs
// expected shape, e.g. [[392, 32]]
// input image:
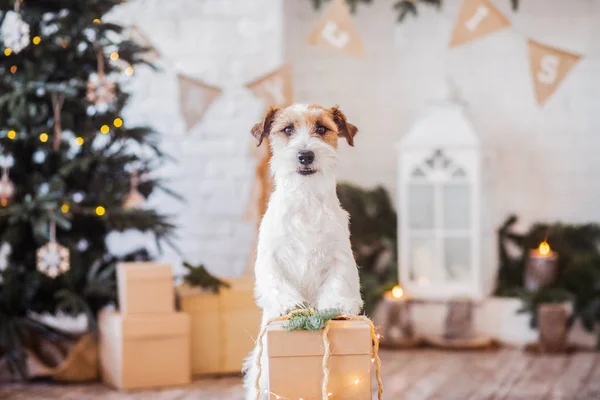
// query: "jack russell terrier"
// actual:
[[303, 252]]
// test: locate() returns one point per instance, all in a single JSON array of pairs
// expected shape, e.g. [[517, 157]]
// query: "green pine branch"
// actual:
[[198, 276], [308, 318]]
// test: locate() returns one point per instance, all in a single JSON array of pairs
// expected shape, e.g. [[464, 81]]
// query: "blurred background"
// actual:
[[130, 178]]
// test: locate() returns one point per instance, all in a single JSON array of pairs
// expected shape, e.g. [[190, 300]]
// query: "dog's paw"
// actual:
[[346, 306]]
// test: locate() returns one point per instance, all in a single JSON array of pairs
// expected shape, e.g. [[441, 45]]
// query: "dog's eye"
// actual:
[[288, 130], [321, 130]]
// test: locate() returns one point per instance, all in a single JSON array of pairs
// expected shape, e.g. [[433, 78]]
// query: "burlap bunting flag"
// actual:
[[336, 32], [136, 35], [275, 88], [194, 98], [549, 67], [477, 18]]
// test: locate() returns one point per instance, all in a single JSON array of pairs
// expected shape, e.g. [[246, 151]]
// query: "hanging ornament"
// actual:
[[53, 258], [100, 89], [7, 187], [15, 31], [133, 199], [57, 103]]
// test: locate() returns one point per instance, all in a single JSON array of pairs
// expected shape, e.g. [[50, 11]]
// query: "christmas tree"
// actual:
[[73, 170]]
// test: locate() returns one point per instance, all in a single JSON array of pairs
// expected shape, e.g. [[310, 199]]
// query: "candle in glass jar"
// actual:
[[541, 267]]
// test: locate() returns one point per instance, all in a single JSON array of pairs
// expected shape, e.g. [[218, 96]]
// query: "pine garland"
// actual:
[[304, 317], [402, 7]]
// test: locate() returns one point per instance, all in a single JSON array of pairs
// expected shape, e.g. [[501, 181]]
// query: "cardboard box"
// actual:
[[145, 288], [296, 357], [224, 326], [144, 351]]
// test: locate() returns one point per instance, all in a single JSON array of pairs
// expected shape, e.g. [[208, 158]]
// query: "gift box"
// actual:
[[296, 361], [143, 351], [145, 288], [224, 326]]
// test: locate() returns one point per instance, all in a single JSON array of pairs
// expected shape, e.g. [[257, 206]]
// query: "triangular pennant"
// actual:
[[194, 99], [136, 35], [549, 67], [336, 32], [477, 18], [275, 88]]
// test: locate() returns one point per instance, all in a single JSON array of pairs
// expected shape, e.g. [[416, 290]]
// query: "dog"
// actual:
[[303, 252]]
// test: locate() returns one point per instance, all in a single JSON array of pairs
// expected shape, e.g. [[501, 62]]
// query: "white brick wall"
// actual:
[[225, 43], [541, 163]]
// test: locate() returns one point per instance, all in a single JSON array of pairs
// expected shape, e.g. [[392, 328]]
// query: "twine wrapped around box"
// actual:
[[327, 348]]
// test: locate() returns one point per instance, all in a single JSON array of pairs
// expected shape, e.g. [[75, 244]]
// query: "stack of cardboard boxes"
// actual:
[[146, 343]]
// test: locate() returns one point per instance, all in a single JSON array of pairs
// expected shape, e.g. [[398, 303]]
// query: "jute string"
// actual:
[[326, 354]]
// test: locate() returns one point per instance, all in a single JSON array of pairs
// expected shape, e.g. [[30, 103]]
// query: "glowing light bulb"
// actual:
[[372, 360], [329, 394], [36, 40], [104, 129], [13, 69], [544, 248], [7, 51], [129, 71], [356, 381], [397, 292], [100, 211], [118, 122], [44, 137], [79, 140], [11, 134], [65, 208], [114, 56]]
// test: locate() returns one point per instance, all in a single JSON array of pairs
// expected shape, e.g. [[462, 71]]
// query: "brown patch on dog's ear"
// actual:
[[261, 130], [345, 129]]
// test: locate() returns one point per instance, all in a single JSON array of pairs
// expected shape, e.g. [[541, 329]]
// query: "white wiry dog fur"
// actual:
[[304, 252]]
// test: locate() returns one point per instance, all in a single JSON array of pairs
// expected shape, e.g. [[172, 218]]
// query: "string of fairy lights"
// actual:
[[354, 383]]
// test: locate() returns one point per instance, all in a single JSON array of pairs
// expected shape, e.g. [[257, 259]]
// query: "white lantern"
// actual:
[[439, 187]]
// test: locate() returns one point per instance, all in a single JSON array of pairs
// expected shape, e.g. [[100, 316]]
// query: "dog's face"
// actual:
[[304, 138]]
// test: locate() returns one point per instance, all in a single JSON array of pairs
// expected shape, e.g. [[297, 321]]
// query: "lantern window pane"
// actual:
[[457, 254], [457, 205], [420, 204], [424, 267]]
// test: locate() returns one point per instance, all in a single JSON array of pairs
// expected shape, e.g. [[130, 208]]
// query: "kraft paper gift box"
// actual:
[[143, 351], [145, 288], [296, 361], [224, 326]]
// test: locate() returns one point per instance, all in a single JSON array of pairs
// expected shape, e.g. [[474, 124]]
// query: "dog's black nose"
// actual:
[[306, 157]]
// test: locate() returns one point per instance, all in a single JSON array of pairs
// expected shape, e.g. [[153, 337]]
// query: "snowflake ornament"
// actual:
[[100, 92], [53, 259], [15, 32]]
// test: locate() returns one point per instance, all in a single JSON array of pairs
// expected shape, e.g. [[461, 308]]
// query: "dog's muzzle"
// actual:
[[306, 158]]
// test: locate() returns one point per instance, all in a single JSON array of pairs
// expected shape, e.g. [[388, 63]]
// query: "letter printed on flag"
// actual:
[[477, 18], [335, 32], [549, 67]]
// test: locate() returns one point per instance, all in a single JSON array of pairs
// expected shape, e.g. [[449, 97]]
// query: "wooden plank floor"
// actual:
[[407, 375]]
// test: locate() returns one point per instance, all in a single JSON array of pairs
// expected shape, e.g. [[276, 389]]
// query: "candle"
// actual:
[[541, 267], [395, 318]]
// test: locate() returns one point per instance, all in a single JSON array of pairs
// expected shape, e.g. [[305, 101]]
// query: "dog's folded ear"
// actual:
[[345, 129], [261, 130]]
